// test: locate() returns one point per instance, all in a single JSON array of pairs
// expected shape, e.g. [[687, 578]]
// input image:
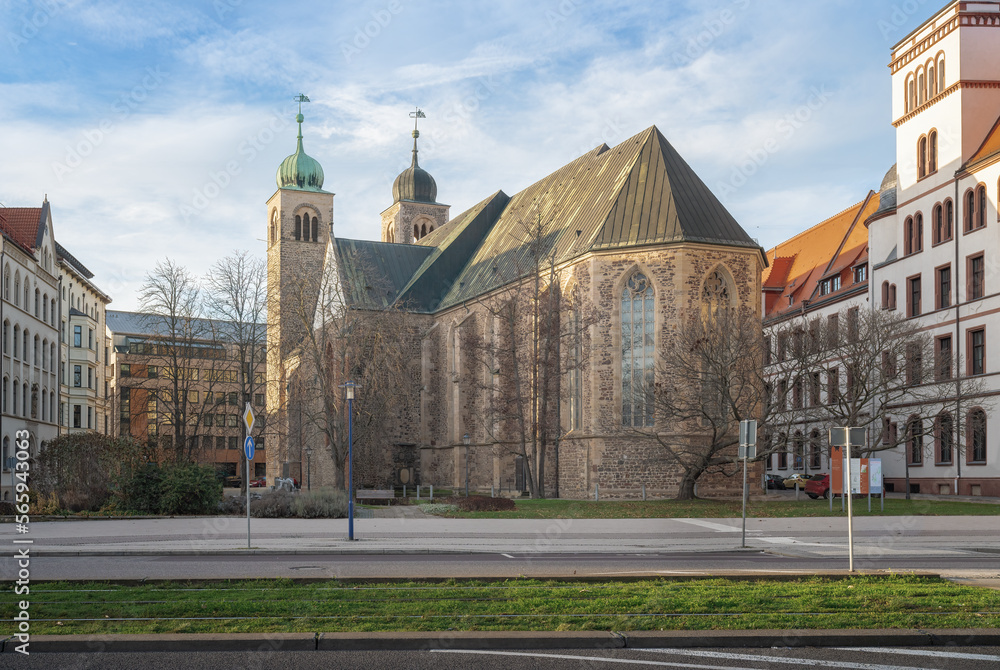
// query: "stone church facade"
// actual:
[[633, 243]]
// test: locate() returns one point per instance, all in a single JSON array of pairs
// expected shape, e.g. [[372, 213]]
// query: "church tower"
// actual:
[[299, 227], [415, 211]]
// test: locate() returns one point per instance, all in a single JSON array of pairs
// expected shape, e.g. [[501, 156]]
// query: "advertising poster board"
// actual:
[[875, 476], [859, 476], [836, 470]]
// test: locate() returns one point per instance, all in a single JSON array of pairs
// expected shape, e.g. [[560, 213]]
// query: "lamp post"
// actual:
[[466, 440], [309, 453], [350, 459]]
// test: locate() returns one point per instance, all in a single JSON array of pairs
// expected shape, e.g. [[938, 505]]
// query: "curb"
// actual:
[[249, 642], [324, 551]]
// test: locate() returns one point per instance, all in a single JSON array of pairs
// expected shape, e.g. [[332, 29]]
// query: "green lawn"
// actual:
[[661, 604], [674, 509]]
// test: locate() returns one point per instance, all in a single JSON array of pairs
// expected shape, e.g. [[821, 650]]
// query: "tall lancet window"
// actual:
[[637, 351]]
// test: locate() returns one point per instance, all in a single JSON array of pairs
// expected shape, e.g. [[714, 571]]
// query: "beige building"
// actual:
[[84, 401], [30, 362], [630, 241]]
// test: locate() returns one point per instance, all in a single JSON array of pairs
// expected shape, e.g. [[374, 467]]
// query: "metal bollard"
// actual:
[[418, 491], [432, 493], [644, 492], [597, 493], [493, 493]]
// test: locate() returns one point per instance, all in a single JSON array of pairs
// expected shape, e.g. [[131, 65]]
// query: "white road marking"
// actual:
[[722, 528], [507, 555], [597, 659], [780, 659], [922, 652]]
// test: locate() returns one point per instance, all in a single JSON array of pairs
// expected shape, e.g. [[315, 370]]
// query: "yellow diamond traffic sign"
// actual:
[[248, 418]]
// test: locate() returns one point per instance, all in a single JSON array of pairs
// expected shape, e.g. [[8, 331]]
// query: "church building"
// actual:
[[620, 246]]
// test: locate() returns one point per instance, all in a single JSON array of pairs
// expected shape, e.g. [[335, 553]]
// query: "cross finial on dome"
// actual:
[[416, 115]]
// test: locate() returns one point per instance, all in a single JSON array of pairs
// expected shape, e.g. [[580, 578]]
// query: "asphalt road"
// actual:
[[950, 658], [501, 565]]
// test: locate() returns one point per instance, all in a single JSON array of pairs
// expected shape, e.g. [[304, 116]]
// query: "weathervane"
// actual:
[[300, 98], [417, 114]]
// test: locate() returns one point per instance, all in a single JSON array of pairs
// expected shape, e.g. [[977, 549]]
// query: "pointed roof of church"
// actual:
[[638, 193]]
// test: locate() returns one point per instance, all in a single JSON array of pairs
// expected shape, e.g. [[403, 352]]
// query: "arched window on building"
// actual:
[[25, 402], [38, 303], [430, 230], [423, 230], [6, 283], [274, 226], [940, 73], [921, 87], [45, 308], [17, 287], [37, 353], [45, 403], [52, 357], [932, 89], [908, 230], [885, 295], [52, 311], [980, 205], [911, 95], [976, 450], [416, 232], [922, 157], [390, 234], [14, 390], [969, 215], [932, 141], [637, 332], [17, 339], [6, 392], [944, 437], [937, 224], [306, 227], [315, 229], [892, 296], [949, 219], [298, 226]]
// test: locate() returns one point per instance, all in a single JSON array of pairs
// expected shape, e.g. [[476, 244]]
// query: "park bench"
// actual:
[[375, 494]]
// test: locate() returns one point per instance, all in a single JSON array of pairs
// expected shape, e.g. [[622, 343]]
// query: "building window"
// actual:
[[815, 451], [977, 351], [944, 435], [913, 296], [943, 356], [782, 460], [315, 229], [835, 283], [915, 441], [921, 157], [977, 274], [860, 274], [914, 365], [977, 436], [942, 287], [833, 331], [637, 316], [832, 386], [90, 378], [76, 416], [938, 232], [932, 152], [77, 336], [914, 231], [853, 324], [258, 399], [975, 208], [77, 376], [298, 226], [815, 388], [90, 338], [798, 452]]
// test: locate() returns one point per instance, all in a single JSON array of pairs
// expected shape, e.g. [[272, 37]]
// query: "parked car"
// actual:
[[799, 478], [233, 482], [258, 483], [775, 482], [818, 486]]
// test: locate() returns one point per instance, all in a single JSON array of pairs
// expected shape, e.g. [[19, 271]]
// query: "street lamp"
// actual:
[[466, 440], [349, 386], [309, 453]]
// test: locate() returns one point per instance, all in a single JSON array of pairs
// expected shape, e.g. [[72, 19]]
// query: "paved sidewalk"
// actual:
[[874, 536]]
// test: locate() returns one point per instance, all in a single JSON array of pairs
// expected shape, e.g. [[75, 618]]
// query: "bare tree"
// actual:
[[185, 348], [236, 298], [519, 350], [348, 335], [708, 379]]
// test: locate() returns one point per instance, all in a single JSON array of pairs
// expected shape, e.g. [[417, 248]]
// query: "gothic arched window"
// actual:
[[274, 226], [716, 293], [637, 351], [315, 230], [298, 227]]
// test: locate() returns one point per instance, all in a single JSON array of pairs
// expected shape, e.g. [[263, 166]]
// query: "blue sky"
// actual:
[[156, 128]]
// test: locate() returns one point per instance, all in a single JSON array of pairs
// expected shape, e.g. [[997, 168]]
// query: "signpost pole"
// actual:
[[850, 518], [248, 451], [744, 503]]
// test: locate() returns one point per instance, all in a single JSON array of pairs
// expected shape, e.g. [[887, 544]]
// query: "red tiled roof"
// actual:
[[21, 224], [990, 146], [828, 247]]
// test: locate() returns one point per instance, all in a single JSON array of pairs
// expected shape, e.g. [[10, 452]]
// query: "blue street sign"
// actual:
[[248, 447]]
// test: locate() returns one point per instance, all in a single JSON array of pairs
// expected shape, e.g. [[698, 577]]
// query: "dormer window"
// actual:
[[860, 273], [824, 287], [835, 283]]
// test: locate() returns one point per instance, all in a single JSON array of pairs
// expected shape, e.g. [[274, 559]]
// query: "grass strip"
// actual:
[[895, 601], [780, 507]]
